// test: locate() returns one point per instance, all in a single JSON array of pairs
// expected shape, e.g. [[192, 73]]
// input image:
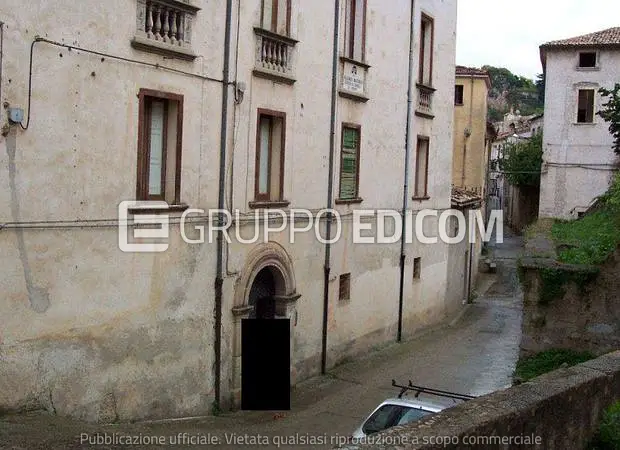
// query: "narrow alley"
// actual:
[[475, 354]]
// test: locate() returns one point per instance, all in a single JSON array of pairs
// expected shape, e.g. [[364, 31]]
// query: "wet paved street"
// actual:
[[475, 355]]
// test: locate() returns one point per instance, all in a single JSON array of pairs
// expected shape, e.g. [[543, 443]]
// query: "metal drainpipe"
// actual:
[[471, 256], [330, 182], [1, 56], [471, 111], [408, 133], [219, 279]]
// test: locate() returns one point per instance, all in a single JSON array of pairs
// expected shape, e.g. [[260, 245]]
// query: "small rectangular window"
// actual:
[[355, 32], [160, 126], [269, 156], [349, 162], [587, 59], [345, 287], [425, 75], [421, 169], [458, 94], [585, 106], [275, 16], [417, 268]]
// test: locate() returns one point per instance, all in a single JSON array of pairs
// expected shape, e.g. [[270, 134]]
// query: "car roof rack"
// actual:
[[425, 390]]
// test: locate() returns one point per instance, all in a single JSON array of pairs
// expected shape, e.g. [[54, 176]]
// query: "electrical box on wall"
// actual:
[[16, 115]]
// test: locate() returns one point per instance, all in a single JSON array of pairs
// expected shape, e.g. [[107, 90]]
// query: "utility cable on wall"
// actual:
[[103, 55]]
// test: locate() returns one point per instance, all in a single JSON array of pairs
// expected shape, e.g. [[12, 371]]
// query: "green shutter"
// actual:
[[348, 168]]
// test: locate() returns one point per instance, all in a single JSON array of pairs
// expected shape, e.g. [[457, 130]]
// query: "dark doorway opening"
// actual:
[[262, 295], [265, 348]]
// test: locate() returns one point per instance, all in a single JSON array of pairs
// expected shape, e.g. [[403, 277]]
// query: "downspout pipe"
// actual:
[[408, 134], [219, 277], [330, 186], [1, 56]]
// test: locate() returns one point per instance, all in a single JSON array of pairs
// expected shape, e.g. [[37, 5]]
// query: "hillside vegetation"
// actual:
[[513, 91]]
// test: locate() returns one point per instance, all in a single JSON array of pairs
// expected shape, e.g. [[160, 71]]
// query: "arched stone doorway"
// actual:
[[262, 294], [265, 289]]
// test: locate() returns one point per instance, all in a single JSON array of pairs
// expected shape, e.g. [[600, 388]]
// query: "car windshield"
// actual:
[[390, 415]]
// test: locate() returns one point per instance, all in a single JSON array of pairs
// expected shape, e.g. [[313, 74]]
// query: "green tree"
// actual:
[[521, 161], [540, 87], [611, 113]]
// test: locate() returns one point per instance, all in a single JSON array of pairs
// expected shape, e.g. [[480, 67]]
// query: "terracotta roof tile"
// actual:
[[608, 37], [462, 70], [462, 197]]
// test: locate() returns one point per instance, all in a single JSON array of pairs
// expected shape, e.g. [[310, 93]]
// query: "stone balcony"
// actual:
[[424, 105], [165, 27], [275, 56]]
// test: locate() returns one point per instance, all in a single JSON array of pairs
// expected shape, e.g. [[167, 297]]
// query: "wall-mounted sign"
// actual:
[[353, 78]]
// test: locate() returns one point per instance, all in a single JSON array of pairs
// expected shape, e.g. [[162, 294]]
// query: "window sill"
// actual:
[[269, 204], [425, 87], [587, 69], [580, 124], [278, 77], [161, 48], [353, 96], [348, 201], [420, 199], [458, 104], [171, 208], [354, 62], [425, 115], [276, 36]]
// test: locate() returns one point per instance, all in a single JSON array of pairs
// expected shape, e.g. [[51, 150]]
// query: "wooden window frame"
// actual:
[[274, 15], [592, 114], [456, 86], [344, 287], [350, 32], [431, 22], [145, 98], [416, 195], [268, 198], [356, 197]]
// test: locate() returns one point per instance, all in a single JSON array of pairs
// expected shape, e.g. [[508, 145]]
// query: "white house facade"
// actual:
[[140, 100], [578, 160]]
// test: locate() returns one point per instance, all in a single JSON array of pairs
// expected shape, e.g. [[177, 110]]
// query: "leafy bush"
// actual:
[[611, 113], [522, 161], [608, 434], [595, 236], [547, 361]]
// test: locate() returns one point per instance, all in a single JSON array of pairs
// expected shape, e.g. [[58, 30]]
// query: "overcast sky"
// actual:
[[505, 33]]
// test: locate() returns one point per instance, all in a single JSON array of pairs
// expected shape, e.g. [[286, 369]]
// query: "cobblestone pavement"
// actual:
[[474, 355]]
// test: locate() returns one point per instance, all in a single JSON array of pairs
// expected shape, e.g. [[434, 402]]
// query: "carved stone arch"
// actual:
[[268, 255], [273, 257]]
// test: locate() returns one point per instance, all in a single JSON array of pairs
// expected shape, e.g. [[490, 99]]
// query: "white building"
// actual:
[[578, 159], [138, 100]]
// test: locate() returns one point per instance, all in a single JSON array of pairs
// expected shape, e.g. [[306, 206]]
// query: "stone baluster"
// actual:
[[181, 36], [173, 29], [157, 26], [149, 20], [166, 23]]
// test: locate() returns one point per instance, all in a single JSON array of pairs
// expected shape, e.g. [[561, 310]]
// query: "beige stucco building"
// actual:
[[162, 100], [470, 158]]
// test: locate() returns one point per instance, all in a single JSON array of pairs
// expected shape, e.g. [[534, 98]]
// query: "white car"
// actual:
[[403, 410], [395, 411]]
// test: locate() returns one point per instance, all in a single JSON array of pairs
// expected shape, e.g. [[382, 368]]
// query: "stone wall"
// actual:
[[558, 410], [520, 206], [568, 306]]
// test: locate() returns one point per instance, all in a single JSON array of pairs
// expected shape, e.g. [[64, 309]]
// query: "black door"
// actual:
[[265, 351]]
